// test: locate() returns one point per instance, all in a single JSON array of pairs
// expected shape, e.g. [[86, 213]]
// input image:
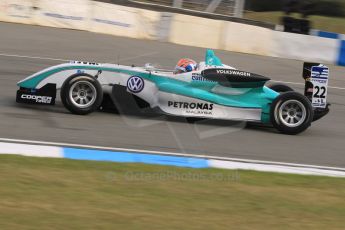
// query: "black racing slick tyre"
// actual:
[[280, 88], [81, 94], [291, 113]]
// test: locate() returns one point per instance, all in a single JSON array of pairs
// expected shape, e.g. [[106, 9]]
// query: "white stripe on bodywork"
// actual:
[[60, 77]]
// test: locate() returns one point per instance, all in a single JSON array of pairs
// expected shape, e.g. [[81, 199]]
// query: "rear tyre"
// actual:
[[81, 94], [291, 113], [280, 88]]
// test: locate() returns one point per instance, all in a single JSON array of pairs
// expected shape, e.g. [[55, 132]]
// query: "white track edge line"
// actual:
[[32, 57], [171, 154]]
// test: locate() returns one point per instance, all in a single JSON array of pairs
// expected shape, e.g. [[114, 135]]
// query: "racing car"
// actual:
[[212, 91]]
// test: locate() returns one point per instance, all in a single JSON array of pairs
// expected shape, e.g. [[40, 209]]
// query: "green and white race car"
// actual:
[[213, 91]]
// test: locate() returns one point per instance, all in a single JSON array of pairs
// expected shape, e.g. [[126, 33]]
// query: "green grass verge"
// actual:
[[42, 193], [331, 24]]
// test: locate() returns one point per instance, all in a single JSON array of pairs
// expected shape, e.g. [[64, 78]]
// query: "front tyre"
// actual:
[[291, 113], [81, 94]]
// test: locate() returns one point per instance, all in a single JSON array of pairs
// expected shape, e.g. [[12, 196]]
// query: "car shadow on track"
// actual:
[[44, 112], [159, 116]]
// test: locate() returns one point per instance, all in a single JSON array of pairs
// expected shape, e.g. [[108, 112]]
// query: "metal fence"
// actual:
[[232, 8]]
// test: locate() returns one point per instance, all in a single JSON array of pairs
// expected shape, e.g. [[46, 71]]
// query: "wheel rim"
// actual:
[[82, 94], [292, 113]]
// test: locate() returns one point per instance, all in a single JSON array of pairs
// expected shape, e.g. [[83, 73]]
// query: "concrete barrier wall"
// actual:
[[231, 36], [341, 56], [247, 39], [123, 21], [148, 23], [304, 47], [83, 15], [176, 28], [195, 31], [64, 14], [18, 11], [341, 43], [114, 20]]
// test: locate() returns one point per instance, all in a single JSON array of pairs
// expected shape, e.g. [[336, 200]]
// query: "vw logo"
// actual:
[[135, 84]]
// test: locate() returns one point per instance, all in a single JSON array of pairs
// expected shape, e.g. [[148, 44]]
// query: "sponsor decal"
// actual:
[[210, 61], [233, 72], [61, 16], [84, 63], [37, 99], [319, 72], [135, 84], [198, 77], [109, 22], [193, 107], [319, 80]]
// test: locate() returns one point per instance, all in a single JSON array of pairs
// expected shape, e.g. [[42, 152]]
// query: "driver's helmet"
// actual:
[[185, 65]]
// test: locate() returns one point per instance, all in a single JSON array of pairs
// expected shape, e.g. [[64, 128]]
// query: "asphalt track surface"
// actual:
[[26, 49]]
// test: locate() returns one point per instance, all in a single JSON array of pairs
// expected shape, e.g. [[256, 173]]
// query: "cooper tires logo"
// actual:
[[37, 99], [135, 84]]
